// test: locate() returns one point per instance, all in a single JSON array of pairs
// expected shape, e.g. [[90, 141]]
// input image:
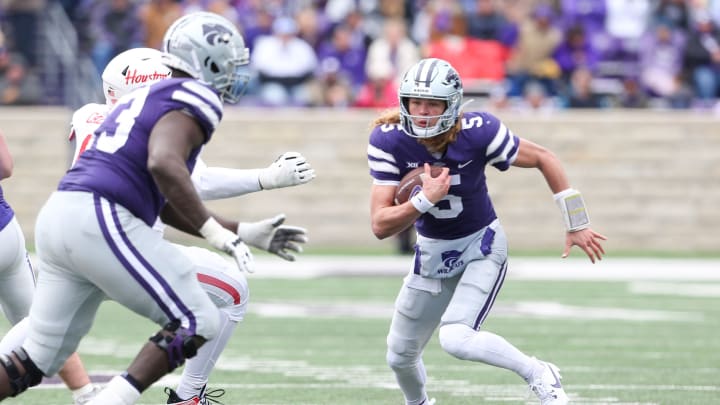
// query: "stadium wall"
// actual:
[[650, 179]]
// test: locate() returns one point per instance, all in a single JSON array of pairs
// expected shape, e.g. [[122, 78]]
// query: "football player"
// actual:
[[137, 167], [461, 252], [16, 279], [224, 284]]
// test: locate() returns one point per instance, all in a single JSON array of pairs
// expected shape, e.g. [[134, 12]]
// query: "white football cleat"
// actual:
[[547, 386], [86, 397]]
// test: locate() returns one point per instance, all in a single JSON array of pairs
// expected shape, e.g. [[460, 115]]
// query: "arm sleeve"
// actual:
[[214, 183]]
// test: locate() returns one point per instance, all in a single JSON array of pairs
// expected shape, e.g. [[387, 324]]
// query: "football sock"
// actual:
[[467, 344], [15, 336], [197, 369], [117, 392]]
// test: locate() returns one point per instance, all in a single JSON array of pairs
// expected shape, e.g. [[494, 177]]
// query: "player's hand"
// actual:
[[230, 243], [270, 235], [588, 240], [435, 188], [290, 169]]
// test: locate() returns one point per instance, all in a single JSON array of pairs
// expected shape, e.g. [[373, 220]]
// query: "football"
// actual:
[[411, 183]]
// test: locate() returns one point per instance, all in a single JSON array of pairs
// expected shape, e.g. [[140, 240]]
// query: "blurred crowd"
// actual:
[[516, 54]]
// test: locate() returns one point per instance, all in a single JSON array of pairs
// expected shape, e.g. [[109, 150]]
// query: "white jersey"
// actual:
[[85, 121]]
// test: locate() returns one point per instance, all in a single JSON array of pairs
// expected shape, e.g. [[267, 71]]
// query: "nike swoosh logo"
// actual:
[[461, 165], [557, 380]]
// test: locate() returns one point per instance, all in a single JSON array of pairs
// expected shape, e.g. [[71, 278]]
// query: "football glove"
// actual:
[[230, 243], [290, 169], [270, 235]]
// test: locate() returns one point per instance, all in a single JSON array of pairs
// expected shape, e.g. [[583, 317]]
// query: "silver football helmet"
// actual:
[[209, 48], [433, 79], [131, 69]]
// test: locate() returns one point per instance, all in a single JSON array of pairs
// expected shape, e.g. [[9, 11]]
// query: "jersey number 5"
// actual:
[[453, 207]]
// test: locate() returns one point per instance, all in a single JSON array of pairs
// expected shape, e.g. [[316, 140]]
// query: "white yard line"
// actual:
[[609, 269]]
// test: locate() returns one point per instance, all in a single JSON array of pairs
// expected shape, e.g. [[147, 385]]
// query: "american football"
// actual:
[[411, 183]]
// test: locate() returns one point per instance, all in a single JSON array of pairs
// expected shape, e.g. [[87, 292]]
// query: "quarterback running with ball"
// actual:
[[461, 252]]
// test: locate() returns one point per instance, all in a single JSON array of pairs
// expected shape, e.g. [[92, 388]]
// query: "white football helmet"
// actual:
[[434, 79], [209, 48], [131, 69]]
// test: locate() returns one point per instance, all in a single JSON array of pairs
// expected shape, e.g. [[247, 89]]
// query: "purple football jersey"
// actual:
[[6, 213], [467, 208], [115, 165]]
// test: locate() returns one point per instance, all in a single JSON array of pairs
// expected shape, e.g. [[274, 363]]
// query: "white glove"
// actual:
[[270, 236], [230, 243], [290, 169]]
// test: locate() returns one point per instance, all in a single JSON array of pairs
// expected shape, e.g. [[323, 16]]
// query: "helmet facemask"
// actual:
[[210, 49]]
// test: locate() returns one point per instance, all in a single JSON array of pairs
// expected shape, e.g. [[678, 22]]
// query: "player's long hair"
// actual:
[[433, 144]]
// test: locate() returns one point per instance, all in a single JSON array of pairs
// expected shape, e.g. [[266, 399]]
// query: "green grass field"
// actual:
[[322, 341]]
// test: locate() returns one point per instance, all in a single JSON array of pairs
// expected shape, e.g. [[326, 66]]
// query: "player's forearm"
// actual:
[[391, 220], [553, 172], [173, 181], [213, 183]]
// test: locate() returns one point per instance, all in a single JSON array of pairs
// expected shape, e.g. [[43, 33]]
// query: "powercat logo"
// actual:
[[135, 77], [215, 33], [451, 261]]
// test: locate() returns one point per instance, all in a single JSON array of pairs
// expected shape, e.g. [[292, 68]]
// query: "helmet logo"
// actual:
[[134, 77], [215, 33], [452, 78]]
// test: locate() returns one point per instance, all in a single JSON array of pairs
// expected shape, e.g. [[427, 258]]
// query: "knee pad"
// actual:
[[18, 383], [179, 345], [453, 339], [401, 352]]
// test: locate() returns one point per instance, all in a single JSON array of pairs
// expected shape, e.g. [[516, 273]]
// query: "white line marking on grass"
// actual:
[[524, 268], [523, 309], [676, 289]]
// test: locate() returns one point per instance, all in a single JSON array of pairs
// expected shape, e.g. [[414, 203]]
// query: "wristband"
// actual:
[[421, 202], [573, 210], [214, 233]]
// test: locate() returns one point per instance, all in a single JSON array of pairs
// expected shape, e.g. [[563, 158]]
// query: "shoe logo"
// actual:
[[557, 380], [461, 165]]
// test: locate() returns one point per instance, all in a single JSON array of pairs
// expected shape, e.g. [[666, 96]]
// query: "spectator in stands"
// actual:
[[531, 57], [380, 90], [331, 87], [536, 99], [156, 16], [488, 23], [632, 95], [661, 58], [382, 11], [581, 94], [18, 84], [115, 25], [285, 64], [313, 27], [674, 12], [351, 56], [23, 20], [393, 48], [589, 14], [256, 27], [702, 58], [575, 51], [626, 21]]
